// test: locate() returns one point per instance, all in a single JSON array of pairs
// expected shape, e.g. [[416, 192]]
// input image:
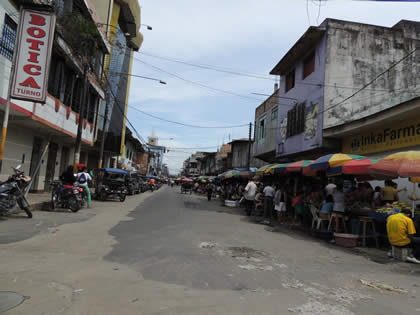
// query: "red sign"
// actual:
[[36, 36]]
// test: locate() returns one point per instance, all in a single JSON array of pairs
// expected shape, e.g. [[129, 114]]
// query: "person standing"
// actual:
[[249, 194], [209, 191], [268, 203], [83, 179], [330, 188], [280, 199]]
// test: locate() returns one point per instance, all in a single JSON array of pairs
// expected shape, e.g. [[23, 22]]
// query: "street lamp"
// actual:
[[148, 27], [140, 76]]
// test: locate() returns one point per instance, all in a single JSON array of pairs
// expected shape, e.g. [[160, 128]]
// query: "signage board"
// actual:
[[36, 36], [392, 136]]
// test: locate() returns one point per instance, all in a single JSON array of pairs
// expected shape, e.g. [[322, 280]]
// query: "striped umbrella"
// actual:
[[298, 166], [333, 160], [402, 164], [277, 168], [262, 169], [353, 167]]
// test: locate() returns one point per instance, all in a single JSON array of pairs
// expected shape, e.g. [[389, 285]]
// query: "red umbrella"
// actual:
[[298, 166], [187, 180], [358, 167]]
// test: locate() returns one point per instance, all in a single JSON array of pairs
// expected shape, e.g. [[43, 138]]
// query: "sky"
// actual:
[[241, 36]]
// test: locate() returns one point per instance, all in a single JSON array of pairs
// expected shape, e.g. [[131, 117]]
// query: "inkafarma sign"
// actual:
[[393, 136], [36, 35]]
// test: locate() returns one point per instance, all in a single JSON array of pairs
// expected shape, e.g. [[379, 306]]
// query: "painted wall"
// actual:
[[310, 91], [269, 142], [356, 54]]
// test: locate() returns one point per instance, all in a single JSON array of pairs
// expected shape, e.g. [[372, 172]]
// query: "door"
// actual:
[[35, 159], [52, 159], [64, 162]]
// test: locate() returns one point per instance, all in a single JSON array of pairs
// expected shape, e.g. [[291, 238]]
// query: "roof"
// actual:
[[312, 35]]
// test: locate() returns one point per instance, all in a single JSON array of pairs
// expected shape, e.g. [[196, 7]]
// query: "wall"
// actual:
[[268, 144], [240, 154], [310, 91], [361, 52]]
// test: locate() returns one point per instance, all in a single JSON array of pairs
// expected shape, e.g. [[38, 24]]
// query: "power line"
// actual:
[[184, 124], [196, 148], [197, 83], [209, 67]]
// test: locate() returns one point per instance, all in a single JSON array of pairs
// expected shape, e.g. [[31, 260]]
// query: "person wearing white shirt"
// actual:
[[330, 188], [249, 194], [268, 203]]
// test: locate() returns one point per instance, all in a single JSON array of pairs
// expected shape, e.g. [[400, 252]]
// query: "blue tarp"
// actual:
[[115, 170]]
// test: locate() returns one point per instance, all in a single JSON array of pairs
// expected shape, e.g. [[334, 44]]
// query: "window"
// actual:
[[8, 37], [274, 113], [296, 120], [262, 128], [309, 64], [290, 80]]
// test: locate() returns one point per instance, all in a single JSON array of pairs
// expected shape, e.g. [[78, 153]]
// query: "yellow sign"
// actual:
[[401, 135]]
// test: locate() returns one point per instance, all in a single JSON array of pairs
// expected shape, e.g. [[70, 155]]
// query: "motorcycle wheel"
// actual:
[[122, 197], [74, 204], [102, 195]]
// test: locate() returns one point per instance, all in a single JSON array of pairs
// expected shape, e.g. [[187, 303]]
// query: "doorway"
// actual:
[[52, 159], [35, 159], [64, 162]]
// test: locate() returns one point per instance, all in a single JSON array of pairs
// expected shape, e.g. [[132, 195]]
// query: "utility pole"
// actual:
[[249, 146], [82, 110]]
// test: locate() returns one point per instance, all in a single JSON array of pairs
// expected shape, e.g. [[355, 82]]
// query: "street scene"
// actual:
[[187, 157]]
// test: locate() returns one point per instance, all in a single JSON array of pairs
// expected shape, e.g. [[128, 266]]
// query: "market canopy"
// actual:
[[277, 168], [298, 166], [402, 164], [262, 169], [333, 160], [353, 167]]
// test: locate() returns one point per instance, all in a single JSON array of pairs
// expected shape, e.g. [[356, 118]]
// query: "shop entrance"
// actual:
[[52, 159]]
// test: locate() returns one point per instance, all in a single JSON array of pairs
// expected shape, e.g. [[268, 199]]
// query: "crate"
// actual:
[[400, 253], [346, 240]]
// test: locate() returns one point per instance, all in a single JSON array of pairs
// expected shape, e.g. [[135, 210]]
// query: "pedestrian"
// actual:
[[268, 203], [280, 199], [209, 191], [83, 179], [330, 188], [249, 195]]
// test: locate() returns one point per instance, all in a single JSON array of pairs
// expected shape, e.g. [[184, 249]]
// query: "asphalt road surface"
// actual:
[[170, 253]]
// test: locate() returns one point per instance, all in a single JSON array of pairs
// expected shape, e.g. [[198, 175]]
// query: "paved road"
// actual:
[[168, 253]]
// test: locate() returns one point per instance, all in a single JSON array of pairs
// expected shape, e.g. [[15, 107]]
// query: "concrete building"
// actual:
[[265, 128], [120, 21], [33, 126], [239, 154], [330, 63], [223, 163]]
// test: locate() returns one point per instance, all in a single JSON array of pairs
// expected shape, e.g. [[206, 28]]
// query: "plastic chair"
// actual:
[[364, 222], [341, 218], [316, 220]]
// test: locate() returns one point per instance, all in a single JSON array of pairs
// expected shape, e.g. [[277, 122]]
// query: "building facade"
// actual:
[[323, 70], [41, 137]]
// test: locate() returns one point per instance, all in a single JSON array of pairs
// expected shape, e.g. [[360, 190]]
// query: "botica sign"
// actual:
[[399, 135], [36, 34]]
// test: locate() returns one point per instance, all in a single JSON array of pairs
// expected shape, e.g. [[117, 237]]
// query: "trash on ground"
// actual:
[[207, 245], [382, 286]]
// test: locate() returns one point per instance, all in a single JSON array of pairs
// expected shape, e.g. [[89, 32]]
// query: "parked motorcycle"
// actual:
[[12, 192], [66, 196]]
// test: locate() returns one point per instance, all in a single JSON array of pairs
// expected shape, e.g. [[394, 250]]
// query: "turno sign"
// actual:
[[36, 36]]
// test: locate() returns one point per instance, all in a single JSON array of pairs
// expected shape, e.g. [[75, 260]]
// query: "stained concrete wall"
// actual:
[[356, 54]]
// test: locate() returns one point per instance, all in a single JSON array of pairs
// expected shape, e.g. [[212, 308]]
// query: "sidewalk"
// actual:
[[36, 200]]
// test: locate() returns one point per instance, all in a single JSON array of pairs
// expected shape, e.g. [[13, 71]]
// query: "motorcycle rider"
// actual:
[[82, 179], [68, 177]]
